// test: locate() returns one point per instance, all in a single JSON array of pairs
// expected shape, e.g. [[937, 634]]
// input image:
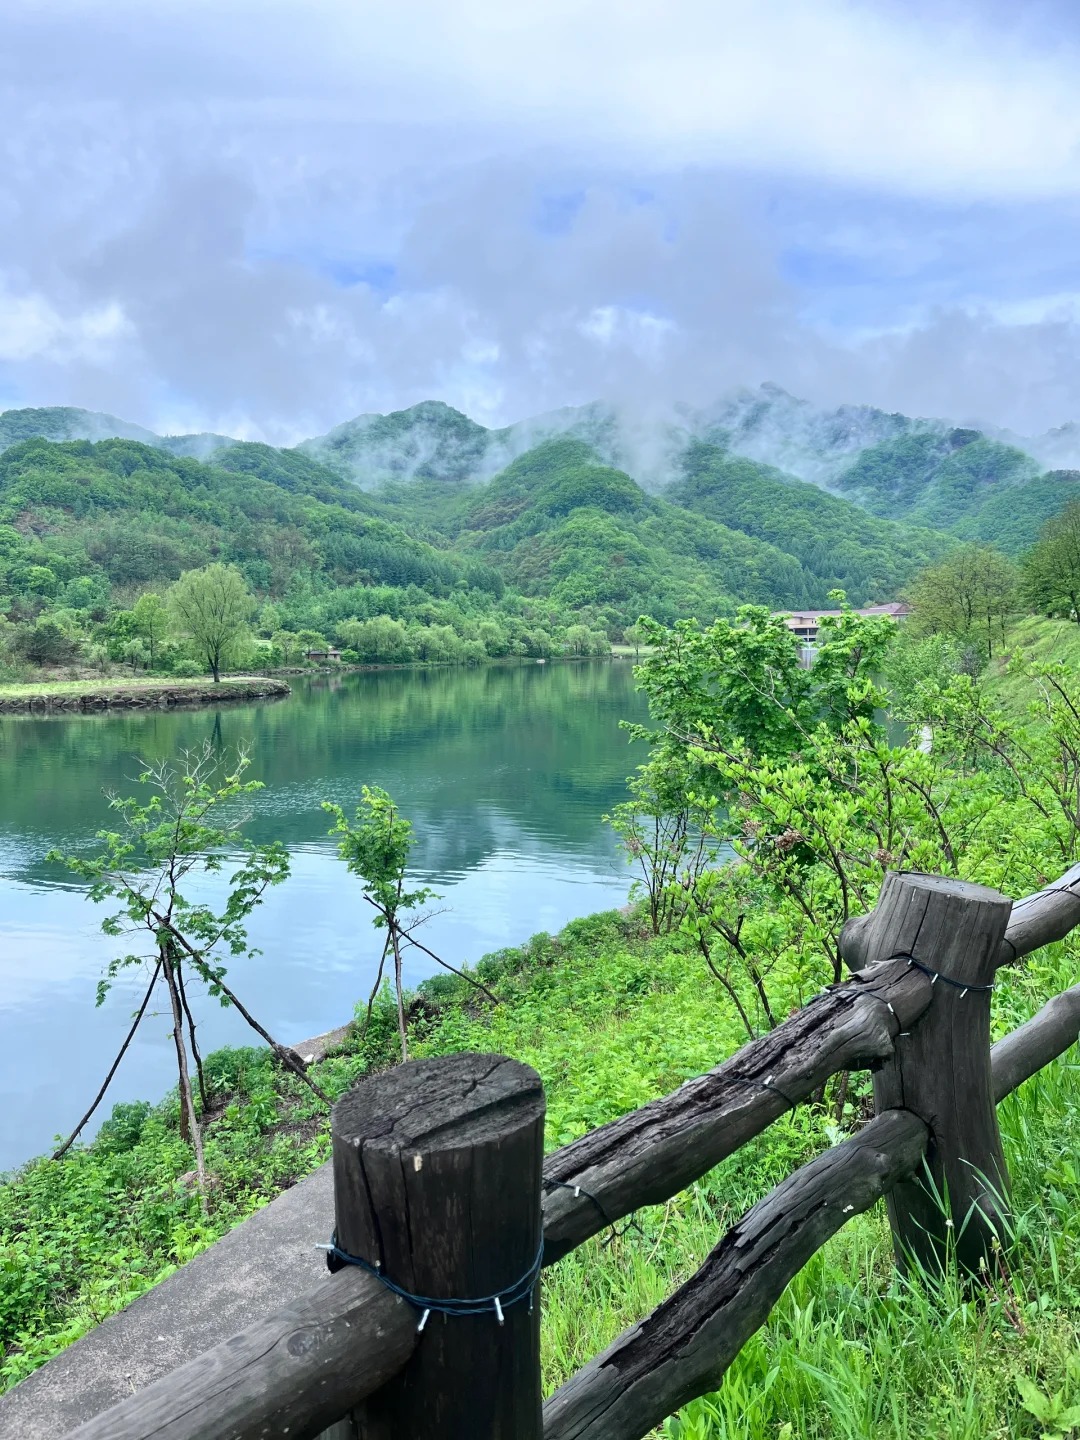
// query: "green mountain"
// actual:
[[559, 522], [430, 441], [61, 422], [80, 521], [959, 481], [837, 544], [587, 516]]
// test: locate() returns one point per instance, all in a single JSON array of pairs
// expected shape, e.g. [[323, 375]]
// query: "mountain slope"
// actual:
[[948, 481], [62, 422], [80, 519], [430, 441], [559, 522], [836, 543]]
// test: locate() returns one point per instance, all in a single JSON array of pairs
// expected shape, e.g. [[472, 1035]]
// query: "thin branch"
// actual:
[[112, 1071]]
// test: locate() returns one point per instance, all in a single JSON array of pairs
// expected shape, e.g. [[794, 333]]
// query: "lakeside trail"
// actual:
[[75, 696]]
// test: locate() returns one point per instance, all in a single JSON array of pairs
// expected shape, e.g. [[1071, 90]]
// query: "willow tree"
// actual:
[[212, 607]]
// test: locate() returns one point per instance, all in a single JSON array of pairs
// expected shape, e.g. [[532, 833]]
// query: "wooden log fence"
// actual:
[[438, 1178]]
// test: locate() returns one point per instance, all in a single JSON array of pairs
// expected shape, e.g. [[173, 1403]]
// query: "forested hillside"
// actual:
[[550, 536]]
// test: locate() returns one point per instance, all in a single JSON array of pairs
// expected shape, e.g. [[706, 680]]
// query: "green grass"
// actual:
[[1038, 640], [611, 1018]]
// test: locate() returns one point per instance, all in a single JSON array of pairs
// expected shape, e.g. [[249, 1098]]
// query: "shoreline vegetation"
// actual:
[[89, 696]]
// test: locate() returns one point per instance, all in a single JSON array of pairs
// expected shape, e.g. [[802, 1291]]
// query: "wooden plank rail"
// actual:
[[294, 1373], [682, 1350], [437, 1180]]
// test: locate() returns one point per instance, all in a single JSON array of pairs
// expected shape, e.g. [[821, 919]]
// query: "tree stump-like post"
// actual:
[[952, 930], [437, 1181]]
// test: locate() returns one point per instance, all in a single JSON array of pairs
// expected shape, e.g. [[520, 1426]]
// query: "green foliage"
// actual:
[[741, 681], [176, 833], [1052, 566], [212, 607], [375, 846], [969, 596]]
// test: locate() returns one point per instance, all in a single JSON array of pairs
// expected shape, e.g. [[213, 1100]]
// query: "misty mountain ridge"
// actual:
[[929, 472]]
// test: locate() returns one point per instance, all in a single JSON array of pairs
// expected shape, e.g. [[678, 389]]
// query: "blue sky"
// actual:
[[264, 218]]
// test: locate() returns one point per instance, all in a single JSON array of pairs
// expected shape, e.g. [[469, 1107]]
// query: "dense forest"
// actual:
[[422, 535]]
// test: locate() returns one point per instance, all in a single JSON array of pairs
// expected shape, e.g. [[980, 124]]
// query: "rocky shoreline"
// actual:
[[165, 696]]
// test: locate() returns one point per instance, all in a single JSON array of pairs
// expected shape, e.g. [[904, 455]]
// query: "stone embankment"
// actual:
[[164, 696]]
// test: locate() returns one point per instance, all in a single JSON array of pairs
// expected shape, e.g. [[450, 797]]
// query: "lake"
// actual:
[[505, 772]]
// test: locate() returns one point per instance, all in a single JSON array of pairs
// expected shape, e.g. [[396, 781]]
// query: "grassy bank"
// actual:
[[610, 1017], [113, 693], [1038, 641]]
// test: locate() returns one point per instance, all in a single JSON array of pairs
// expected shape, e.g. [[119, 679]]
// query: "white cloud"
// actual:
[[193, 193], [31, 328]]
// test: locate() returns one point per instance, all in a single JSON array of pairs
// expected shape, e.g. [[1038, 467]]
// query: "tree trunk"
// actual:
[[187, 1100], [402, 1029]]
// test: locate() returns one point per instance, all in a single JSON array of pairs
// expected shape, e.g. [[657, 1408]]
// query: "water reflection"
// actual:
[[505, 772]]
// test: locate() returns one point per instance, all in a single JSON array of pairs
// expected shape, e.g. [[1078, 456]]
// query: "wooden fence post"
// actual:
[[941, 1069], [437, 1171]]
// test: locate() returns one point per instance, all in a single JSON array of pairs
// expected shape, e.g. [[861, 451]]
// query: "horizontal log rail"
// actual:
[[319, 1359], [294, 1373], [684, 1347], [653, 1153]]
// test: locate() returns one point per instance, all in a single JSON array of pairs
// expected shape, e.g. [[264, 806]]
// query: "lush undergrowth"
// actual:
[[610, 1017], [1039, 641]]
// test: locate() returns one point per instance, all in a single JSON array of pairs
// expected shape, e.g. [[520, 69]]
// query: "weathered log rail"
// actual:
[[438, 1183]]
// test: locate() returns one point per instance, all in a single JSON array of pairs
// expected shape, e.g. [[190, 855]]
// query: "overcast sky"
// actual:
[[264, 218]]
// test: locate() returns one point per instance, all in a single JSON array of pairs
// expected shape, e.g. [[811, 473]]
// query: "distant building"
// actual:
[[322, 654], [804, 624]]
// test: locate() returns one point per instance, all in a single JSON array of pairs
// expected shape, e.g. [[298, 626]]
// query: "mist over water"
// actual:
[[505, 772]]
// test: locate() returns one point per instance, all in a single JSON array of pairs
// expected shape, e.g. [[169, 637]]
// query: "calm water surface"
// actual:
[[504, 771]]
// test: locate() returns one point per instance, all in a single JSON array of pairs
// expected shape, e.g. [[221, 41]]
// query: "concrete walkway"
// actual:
[[257, 1268]]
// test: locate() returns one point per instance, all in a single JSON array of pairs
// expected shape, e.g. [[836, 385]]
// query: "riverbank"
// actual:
[[611, 1016], [71, 696]]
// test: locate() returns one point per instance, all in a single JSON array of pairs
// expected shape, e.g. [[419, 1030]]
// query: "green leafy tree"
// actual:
[[46, 642], [137, 654], [188, 826], [287, 644], [151, 618], [213, 606], [970, 595], [1052, 566], [376, 845]]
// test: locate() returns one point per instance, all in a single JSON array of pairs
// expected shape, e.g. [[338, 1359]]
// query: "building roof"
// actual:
[[804, 619]]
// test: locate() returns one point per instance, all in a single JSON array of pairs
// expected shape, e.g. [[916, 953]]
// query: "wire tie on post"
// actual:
[[522, 1289]]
